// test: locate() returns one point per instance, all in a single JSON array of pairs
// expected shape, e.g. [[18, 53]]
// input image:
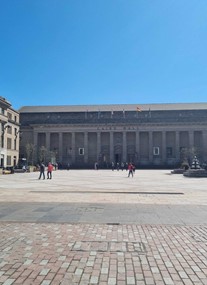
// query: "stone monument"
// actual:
[[195, 170]]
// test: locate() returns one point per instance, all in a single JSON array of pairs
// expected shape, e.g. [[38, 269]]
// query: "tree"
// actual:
[[30, 151], [42, 154], [187, 154]]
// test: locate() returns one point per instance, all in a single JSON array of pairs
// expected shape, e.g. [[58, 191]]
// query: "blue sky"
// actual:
[[77, 52]]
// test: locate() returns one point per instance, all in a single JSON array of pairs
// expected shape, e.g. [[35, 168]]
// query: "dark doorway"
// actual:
[[117, 157], [2, 162]]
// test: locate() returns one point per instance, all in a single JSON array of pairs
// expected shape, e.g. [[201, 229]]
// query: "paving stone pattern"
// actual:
[[101, 227], [102, 254]]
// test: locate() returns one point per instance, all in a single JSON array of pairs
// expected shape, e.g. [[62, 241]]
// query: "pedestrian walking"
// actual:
[[112, 166], [96, 166], [42, 170], [49, 170], [130, 168]]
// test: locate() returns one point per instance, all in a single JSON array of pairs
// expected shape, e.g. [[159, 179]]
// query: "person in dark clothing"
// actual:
[[68, 166], [96, 165], [42, 171]]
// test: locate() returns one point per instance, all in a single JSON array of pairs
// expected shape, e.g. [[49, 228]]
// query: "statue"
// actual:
[[195, 163]]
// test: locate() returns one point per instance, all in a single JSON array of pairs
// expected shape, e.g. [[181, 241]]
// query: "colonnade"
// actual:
[[146, 145]]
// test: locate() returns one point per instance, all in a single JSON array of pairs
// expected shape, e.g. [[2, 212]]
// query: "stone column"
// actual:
[[35, 139], [204, 144], [163, 147], [86, 147], [150, 147], [61, 147], [73, 147], [47, 141], [177, 146], [204, 136], [111, 146], [138, 145], [124, 150], [98, 144], [191, 139]]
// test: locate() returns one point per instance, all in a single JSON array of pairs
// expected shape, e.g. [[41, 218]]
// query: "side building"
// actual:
[[9, 130], [149, 135]]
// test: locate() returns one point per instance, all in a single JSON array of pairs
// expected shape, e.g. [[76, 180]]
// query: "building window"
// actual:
[[15, 161], [9, 143], [8, 160], [169, 151], [9, 115], [9, 130], [2, 110], [81, 151], [156, 150], [15, 144]]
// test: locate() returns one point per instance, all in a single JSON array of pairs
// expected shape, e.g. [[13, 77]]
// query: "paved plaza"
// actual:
[[101, 227]]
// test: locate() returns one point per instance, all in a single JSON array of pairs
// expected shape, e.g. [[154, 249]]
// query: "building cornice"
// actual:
[[114, 108]]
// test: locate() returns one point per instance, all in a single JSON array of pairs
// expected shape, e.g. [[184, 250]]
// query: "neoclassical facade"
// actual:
[[149, 135], [9, 131]]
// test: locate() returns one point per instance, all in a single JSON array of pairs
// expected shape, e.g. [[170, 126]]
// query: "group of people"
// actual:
[[49, 170], [128, 166], [119, 166]]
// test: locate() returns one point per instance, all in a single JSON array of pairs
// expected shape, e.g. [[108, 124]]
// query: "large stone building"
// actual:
[[150, 135], [9, 130]]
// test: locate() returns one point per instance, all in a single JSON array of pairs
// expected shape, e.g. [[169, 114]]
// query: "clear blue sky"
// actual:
[[71, 52]]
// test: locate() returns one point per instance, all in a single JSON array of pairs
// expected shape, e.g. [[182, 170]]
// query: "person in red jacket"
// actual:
[[49, 170], [130, 168]]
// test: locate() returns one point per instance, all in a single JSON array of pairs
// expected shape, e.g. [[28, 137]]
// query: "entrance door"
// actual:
[[117, 157], [15, 161], [2, 161]]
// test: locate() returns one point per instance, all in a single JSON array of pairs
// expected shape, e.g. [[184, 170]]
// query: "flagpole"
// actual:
[[138, 110]]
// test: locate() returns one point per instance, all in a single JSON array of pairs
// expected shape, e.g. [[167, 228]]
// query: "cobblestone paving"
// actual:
[[82, 254]]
